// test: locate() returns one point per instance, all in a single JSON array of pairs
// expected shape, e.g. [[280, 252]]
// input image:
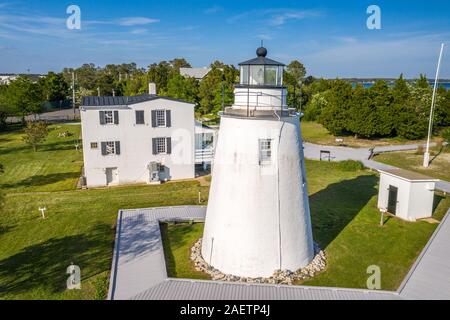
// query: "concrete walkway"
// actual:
[[312, 151], [139, 270]]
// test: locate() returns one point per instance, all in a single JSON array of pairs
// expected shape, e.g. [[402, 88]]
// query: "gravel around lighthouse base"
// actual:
[[279, 276]]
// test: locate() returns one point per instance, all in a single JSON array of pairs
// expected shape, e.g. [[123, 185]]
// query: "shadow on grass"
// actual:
[[179, 237], [168, 254], [335, 206], [40, 180], [43, 266]]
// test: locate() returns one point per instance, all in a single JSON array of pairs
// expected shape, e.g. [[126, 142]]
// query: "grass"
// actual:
[[315, 133], [56, 166], [412, 160], [80, 224], [178, 240], [345, 222], [79, 228]]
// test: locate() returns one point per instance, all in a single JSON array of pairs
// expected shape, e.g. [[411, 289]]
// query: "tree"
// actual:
[[159, 74], [23, 97], [336, 116], [53, 87], [315, 106], [179, 87], [1, 168], [178, 63], [217, 86], [293, 76], [362, 114], [35, 133], [383, 115], [295, 72], [445, 134]]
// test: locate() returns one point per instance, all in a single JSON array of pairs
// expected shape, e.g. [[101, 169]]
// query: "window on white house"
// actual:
[[94, 145], [161, 146], [109, 117], [110, 147], [265, 151], [160, 118]]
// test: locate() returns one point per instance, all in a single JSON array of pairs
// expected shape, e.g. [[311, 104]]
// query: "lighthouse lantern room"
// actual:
[[258, 218]]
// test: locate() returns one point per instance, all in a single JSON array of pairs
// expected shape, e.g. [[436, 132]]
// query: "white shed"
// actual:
[[406, 194]]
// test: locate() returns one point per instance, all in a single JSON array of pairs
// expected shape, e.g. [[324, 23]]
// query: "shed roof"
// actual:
[[407, 175]]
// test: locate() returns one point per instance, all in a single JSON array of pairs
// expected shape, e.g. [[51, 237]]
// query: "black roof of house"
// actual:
[[105, 101]]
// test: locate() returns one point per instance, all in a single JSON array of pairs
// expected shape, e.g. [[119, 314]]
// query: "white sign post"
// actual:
[[42, 210], [383, 211]]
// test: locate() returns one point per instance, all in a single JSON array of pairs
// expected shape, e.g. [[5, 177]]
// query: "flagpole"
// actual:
[[426, 156]]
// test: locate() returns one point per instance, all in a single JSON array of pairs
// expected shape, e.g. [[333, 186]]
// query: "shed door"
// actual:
[[392, 200]]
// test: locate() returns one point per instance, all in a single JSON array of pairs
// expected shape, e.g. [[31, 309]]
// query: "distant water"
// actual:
[[366, 85]]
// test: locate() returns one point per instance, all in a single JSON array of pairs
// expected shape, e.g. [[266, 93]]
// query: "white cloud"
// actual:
[[136, 21], [282, 18]]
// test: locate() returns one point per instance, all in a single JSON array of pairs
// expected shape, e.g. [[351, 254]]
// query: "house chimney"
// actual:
[[152, 88]]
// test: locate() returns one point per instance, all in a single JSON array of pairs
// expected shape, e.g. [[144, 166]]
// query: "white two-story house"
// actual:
[[140, 139]]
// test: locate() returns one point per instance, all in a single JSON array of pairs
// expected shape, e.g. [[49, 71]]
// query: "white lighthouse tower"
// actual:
[[258, 218]]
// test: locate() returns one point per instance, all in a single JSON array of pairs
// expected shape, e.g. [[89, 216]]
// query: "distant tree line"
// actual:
[[378, 111]]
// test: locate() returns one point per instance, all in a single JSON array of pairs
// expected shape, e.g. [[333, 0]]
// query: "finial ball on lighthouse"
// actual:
[[261, 52]]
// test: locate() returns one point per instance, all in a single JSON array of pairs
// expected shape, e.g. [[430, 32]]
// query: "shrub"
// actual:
[[350, 165], [445, 134]]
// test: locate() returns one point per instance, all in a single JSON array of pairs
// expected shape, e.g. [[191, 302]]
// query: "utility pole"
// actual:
[[223, 97], [73, 91], [426, 156]]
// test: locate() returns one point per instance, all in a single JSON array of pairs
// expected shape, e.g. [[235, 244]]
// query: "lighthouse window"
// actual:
[[265, 151], [271, 75], [244, 74], [257, 75]]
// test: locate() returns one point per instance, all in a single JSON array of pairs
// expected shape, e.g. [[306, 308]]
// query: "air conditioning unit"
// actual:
[[154, 169]]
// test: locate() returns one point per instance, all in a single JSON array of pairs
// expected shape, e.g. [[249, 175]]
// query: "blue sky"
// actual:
[[329, 37]]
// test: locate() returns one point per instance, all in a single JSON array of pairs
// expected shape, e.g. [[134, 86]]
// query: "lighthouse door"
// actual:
[[392, 199]]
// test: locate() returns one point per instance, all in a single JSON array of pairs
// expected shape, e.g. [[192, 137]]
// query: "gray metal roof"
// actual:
[[197, 73], [138, 259], [429, 278], [106, 101], [185, 289], [139, 271]]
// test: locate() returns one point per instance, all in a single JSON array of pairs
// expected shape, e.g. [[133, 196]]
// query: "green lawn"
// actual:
[[412, 160], [178, 240], [34, 253], [345, 222], [56, 165], [315, 133]]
